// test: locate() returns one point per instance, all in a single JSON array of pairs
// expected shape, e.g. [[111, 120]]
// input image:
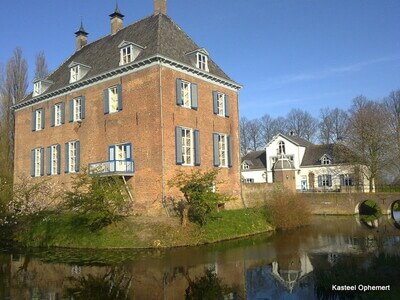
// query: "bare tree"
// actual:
[[13, 90], [279, 125], [41, 69], [302, 123], [254, 133], [332, 125], [267, 129], [368, 137], [392, 106], [244, 136]]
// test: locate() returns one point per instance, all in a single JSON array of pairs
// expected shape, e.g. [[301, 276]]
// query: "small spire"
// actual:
[[81, 30], [117, 13]]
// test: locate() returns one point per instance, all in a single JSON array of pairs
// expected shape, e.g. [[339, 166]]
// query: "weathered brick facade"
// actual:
[[147, 121]]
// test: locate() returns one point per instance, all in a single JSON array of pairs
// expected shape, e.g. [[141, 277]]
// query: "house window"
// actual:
[[325, 180], [39, 118], [77, 109], [126, 55], [54, 160], [221, 104], [202, 61], [75, 74], [222, 150], [57, 114], [245, 167], [346, 180], [186, 94], [187, 146], [113, 99], [72, 157], [37, 162], [249, 180], [325, 161], [281, 147], [37, 88]]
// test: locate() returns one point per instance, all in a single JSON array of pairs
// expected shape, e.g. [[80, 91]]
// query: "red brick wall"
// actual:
[[140, 123]]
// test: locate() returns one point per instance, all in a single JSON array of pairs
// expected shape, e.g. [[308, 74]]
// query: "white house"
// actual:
[[254, 168], [311, 167]]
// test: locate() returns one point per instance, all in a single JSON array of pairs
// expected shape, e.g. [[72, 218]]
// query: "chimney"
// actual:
[[160, 7], [116, 20], [81, 37]]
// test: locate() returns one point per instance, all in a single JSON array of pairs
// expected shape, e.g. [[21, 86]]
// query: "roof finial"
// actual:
[[117, 12], [81, 30]]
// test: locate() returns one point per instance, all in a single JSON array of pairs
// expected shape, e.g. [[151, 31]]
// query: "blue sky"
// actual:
[[305, 54]]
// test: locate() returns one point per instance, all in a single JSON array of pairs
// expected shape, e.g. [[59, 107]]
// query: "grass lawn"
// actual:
[[143, 232]]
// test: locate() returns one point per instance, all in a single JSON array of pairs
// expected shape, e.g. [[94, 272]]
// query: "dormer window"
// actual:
[[202, 61], [77, 71], [325, 160], [128, 52], [40, 86]]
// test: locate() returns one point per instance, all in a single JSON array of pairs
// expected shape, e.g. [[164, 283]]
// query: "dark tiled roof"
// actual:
[[157, 33], [298, 140], [257, 159], [314, 153]]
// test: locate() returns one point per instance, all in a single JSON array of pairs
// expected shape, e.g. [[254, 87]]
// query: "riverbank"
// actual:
[[144, 232]]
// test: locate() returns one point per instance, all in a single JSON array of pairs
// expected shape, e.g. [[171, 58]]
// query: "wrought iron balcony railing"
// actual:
[[112, 167]]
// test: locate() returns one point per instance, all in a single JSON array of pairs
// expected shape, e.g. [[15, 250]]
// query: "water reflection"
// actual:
[[300, 264]]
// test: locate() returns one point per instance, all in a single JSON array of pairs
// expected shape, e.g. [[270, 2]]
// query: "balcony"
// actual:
[[112, 167]]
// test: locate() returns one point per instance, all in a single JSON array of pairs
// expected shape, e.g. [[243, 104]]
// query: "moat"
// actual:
[[307, 263]]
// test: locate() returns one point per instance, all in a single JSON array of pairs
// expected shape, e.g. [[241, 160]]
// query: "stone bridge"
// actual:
[[349, 203]]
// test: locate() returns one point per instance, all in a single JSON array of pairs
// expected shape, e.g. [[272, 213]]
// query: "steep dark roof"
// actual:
[[314, 153], [158, 34], [257, 159], [298, 140]]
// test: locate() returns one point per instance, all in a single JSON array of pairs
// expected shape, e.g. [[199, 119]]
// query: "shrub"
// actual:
[[99, 201], [200, 195], [288, 210]]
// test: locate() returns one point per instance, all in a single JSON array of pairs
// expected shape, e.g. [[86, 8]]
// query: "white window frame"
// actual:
[[38, 162], [54, 160], [57, 114], [75, 73], [126, 55], [249, 180], [325, 161], [72, 156], [325, 180], [113, 99], [186, 92], [221, 104], [202, 61], [76, 109], [187, 147], [37, 88], [38, 119], [281, 147], [223, 150], [245, 166]]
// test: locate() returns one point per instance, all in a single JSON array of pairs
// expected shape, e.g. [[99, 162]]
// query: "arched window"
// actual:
[[281, 149]]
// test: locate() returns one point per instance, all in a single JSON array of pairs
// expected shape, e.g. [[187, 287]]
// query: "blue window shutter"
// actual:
[[43, 118], [119, 91], [111, 153], [58, 159], [33, 163], [319, 180], [194, 95], [216, 149], [179, 100], [215, 102], [41, 161], [178, 145], [105, 102], [34, 120], [49, 160], [329, 180], [78, 156], [66, 167], [62, 107], [71, 110], [197, 159], [128, 151], [229, 151], [227, 112], [83, 107], [53, 115]]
